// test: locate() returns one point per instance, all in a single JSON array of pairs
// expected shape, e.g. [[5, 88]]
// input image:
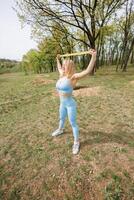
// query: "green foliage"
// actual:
[[65, 26], [31, 61], [48, 49], [43, 59]]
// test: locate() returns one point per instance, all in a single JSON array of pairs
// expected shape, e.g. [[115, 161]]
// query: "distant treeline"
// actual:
[[7, 65], [8, 60]]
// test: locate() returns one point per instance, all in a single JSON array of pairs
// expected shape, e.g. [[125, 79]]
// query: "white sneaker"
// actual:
[[76, 147], [58, 132]]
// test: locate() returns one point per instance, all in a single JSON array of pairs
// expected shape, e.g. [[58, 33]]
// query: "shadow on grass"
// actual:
[[80, 86], [96, 137]]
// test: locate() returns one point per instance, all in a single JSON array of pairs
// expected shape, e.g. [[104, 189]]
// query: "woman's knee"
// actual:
[[73, 123], [63, 114], [62, 118]]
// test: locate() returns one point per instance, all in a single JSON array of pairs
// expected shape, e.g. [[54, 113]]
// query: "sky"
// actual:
[[15, 41]]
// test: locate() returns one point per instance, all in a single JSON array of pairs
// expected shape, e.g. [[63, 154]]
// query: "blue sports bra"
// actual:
[[64, 85]]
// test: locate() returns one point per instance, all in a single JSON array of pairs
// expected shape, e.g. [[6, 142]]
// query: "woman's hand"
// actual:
[[92, 52], [58, 56], [89, 67]]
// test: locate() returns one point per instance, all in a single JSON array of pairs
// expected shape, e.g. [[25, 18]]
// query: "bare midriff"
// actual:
[[65, 94]]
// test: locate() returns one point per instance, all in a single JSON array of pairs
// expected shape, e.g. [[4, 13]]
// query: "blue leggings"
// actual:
[[68, 107]]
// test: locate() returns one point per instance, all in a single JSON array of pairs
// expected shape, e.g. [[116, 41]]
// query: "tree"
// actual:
[[127, 25], [78, 14], [32, 62]]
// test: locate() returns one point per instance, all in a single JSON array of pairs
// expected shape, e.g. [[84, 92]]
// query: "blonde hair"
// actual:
[[70, 66]]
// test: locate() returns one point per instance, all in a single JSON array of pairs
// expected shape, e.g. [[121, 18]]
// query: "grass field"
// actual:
[[36, 166]]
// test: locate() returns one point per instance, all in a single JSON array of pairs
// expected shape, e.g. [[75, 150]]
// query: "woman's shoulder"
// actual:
[[73, 82]]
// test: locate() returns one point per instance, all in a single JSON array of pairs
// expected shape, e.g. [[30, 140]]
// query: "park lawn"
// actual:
[[36, 166]]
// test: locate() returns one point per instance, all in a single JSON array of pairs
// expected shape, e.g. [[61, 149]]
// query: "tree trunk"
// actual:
[[127, 56], [132, 58]]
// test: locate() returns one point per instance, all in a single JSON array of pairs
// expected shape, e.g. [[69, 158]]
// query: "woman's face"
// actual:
[[67, 67]]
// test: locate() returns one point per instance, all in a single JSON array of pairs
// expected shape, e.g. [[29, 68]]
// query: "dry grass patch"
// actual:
[[39, 80], [112, 169], [114, 156], [131, 82], [35, 165], [93, 91]]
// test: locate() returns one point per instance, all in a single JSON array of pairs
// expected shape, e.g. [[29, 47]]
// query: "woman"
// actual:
[[65, 85]]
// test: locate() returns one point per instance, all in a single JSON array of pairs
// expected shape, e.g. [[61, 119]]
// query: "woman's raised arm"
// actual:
[[59, 64], [90, 67]]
